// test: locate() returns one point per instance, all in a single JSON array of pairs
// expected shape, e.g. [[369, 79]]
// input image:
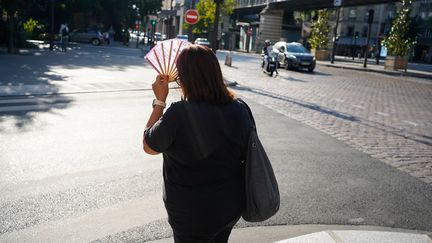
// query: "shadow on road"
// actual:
[[315, 72], [23, 77], [20, 111], [304, 104]]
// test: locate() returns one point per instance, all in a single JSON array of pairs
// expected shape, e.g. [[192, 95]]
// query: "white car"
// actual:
[[202, 41], [183, 37]]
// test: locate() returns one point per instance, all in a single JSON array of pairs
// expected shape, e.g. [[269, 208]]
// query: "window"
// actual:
[[352, 14], [350, 31]]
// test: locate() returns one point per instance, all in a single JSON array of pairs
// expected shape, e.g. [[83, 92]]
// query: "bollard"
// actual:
[[228, 60]]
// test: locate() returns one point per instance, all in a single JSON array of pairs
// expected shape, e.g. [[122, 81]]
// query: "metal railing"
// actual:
[[253, 3]]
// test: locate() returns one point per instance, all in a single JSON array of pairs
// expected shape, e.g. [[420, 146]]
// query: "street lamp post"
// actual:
[[335, 35], [370, 15], [51, 47], [170, 21], [137, 24], [216, 25], [190, 33]]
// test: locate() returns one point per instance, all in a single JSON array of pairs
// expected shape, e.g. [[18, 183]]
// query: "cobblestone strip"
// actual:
[[378, 134]]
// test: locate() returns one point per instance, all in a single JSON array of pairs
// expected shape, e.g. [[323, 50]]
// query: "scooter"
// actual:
[[269, 64]]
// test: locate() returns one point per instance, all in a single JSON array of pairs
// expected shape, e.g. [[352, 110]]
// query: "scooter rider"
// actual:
[[267, 43]]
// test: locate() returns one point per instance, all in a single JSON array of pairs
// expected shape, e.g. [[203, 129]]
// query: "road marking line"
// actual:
[[32, 107], [33, 99], [94, 224], [359, 106], [411, 123], [381, 113]]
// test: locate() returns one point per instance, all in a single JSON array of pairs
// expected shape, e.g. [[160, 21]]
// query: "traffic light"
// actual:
[[370, 15], [153, 22], [136, 26]]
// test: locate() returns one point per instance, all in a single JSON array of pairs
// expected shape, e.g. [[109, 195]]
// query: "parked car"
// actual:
[[202, 41], [87, 36], [135, 34], [157, 37], [294, 55], [183, 37]]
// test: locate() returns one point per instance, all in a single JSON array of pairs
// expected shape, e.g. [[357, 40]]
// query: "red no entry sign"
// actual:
[[191, 16]]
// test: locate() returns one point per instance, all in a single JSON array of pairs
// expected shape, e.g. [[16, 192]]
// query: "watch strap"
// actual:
[[159, 103]]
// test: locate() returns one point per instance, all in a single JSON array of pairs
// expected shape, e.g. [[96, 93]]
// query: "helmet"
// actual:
[[267, 42]]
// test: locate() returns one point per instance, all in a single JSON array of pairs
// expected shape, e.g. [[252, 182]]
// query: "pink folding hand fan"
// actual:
[[164, 56]]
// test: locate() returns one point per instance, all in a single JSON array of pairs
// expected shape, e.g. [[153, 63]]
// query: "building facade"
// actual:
[[258, 20]]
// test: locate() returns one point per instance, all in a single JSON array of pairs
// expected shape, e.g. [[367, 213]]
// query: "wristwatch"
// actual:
[[159, 103]]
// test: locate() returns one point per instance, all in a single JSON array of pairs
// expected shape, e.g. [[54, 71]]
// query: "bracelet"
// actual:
[[158, 103]]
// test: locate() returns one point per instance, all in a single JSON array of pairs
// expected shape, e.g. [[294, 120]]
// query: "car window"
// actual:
[[297, 48]]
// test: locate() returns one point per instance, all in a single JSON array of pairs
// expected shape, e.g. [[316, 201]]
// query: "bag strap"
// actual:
[[250, 116]]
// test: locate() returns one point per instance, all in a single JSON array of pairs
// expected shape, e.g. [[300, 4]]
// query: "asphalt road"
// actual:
[[72, 169]]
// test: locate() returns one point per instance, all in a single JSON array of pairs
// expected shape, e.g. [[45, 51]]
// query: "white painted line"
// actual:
[[359, 106], [17, 101], [32, 107], [381, 113], [95, 224], [411, 123]]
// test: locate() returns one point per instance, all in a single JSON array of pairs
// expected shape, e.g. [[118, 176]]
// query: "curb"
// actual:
[[392, 73], [316, 233]]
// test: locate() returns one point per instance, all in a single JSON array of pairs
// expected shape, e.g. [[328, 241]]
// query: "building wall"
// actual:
[[353, 20], [270, 27]]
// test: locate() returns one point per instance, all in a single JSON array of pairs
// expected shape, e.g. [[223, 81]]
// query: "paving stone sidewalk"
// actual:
[[387, 117]]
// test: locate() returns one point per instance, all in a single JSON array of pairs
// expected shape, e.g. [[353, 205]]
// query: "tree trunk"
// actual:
[[214, 42], [11, 33]]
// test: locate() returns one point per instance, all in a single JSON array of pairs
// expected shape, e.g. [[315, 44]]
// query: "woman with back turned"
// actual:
[[203, 139]]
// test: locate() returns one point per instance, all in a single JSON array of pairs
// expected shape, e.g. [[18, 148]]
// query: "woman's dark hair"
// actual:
[[201, 77]]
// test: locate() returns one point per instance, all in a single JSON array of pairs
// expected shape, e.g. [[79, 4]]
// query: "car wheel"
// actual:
[[95, 42], [311, 69]]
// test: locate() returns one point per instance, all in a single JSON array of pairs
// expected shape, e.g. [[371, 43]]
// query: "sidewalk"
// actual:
[[323, 234], [303, 183], [414, 69]]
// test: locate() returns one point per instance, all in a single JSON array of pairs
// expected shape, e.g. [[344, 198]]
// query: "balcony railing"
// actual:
[[253, 3]]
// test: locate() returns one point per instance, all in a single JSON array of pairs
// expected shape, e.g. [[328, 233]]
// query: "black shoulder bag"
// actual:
[[262, 192]]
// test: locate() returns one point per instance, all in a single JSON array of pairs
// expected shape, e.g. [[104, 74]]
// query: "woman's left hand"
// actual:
[[160, 87]]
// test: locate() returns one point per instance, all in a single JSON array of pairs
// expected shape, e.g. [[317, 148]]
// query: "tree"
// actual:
[[206, 10], [11, 8], [118, 13], [320, 31], [399, 42]]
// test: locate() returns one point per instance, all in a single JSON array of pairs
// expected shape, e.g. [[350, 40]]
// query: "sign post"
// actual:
[[337, 4], [370, 15]]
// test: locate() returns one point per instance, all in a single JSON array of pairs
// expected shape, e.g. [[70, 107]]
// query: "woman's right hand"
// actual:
[[160, 87]]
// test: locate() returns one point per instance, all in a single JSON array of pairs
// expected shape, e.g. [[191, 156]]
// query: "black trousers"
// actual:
[[220, 237]]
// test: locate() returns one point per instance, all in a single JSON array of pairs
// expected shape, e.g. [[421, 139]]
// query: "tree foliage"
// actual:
[[99, 14], [320, 31], [399, 41], [206, 10]]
